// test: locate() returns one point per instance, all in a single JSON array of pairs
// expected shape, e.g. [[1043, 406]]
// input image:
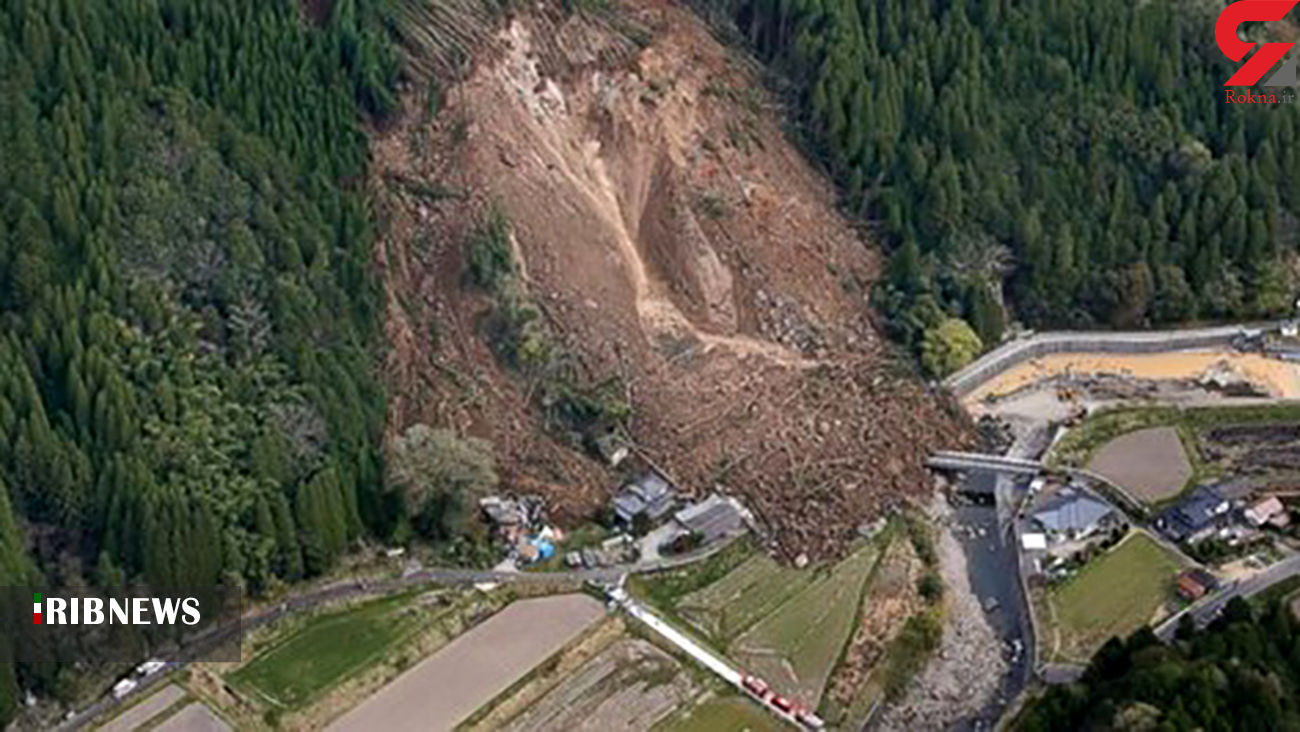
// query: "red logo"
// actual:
[[1225, 33]]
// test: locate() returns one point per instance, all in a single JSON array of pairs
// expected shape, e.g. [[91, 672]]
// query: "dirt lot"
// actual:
[[475, 667], [146, 710], [1277, 378], [891, 599], [674, 241], [1150, 463], [195, 717]]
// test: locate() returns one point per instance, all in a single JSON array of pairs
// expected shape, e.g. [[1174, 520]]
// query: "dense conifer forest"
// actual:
[[188, 322], [1242, 673], [189, 325], [1079, 152]]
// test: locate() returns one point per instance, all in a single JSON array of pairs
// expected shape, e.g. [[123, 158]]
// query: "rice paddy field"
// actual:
[[327, 649], [796, 646], [749, 593]]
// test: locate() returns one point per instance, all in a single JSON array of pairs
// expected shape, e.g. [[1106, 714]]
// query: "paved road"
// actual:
[[1210, 606]]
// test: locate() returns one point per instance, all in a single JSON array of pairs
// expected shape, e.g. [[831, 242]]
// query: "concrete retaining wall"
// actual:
[[1016, 352]]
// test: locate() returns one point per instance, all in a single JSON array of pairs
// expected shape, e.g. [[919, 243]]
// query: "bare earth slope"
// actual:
[[676, 240]]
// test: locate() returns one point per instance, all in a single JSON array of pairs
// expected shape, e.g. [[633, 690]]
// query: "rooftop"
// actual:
[[650, 494], [1261, 512], [713, 517], [1070, 510], [1199, 508]]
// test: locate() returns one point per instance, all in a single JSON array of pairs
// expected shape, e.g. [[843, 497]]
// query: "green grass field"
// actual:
[[666, 589], [751, 591], [328, 649], [796, 647], [723, 714], [1113, 595]]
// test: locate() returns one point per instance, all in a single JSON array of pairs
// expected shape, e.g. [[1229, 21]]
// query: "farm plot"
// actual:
[[723, 714], [1150, 463], [195, 717], [141, 713], [1113, 595], [323, 652], [796, 647], [753, 590], [444, 689], [631, 684], [1268, 447]]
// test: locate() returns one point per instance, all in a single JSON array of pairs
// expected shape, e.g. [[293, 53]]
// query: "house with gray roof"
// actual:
[[650, 495], [1072, 514], [713, 518]]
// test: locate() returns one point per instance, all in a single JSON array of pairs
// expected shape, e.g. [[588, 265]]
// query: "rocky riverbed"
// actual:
[[965, 675]]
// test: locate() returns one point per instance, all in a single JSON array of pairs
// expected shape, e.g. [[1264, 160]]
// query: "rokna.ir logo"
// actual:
[[1269, 53]]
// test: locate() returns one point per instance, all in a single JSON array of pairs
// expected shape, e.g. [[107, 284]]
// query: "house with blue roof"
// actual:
[[1072, 514], [1197, 516]]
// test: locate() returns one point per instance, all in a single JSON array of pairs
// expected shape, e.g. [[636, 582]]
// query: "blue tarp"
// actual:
[[545, 549]]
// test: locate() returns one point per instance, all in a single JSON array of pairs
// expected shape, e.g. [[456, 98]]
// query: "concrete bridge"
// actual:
[[977, 461]]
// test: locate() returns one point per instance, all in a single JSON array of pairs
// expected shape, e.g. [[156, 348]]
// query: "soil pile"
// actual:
[[674, 240]]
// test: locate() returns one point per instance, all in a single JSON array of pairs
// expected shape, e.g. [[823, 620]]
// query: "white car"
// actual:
[[123, 687], [150, 667]]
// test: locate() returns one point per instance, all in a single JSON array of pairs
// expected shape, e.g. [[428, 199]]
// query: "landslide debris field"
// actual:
[[1255, 448], [676, 248]]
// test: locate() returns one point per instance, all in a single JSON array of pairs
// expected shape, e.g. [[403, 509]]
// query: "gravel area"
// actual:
[[968, 667]]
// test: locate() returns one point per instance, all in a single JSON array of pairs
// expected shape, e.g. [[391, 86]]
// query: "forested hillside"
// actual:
[[1078, 150], [188, 326], [1243, 673]]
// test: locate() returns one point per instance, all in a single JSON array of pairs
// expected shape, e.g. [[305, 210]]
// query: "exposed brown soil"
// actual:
[[675, 240], [1151, 463], [890, 601], [445, 688]]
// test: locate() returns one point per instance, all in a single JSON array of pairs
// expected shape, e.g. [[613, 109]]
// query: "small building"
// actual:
[[611, 449], [1195, 517], [650, 495], [1033, 542], [1071, 514], [713, 518], [513, 517], [1268, 511], [1193, 584]]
